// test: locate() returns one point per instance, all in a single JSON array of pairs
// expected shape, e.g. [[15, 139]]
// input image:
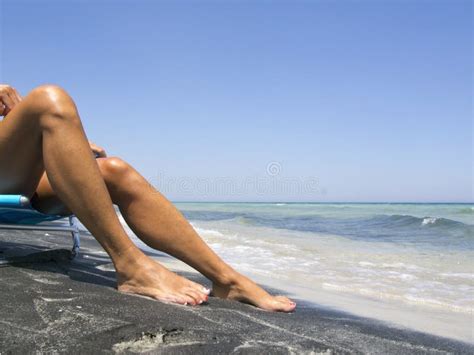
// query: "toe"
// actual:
[[286, 305], [283, 299], [280, 304], [190, 300], [179, 299], [199, 288], [290, 307], [196, 296]]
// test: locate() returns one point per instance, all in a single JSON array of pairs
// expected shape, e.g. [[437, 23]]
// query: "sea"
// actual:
[[411, 265]]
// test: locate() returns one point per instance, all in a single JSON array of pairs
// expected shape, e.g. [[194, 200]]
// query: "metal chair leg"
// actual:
[[75, 236]]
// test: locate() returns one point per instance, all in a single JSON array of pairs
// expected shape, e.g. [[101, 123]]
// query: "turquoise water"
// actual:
[[413, 254], [425, 225]]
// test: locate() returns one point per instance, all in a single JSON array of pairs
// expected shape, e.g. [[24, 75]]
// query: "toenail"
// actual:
[[206, 290]]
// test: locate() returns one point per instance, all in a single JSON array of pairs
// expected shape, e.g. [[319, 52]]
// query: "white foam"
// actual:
[[429, 220], [207, 232], [366, 263], [460, 275], [399, 265]]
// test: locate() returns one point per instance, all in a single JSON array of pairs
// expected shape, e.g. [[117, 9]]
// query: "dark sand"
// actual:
[[50, 304]]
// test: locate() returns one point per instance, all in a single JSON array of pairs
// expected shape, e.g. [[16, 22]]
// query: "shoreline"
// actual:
[[54, 305], [397, 315]]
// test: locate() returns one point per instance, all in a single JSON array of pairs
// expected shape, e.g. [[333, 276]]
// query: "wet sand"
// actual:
[[50, 304]]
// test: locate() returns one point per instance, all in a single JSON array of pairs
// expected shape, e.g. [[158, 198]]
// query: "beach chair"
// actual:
[[17, 213]]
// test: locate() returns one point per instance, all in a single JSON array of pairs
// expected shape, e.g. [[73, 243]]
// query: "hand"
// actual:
[[99, 152], [9, 97]]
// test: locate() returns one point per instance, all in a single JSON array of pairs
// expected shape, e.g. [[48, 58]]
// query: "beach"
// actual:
[[54, 305], [322, 149], [408, 264]]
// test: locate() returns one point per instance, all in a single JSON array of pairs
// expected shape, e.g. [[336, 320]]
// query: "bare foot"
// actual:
[[245, 290], [143, 276]]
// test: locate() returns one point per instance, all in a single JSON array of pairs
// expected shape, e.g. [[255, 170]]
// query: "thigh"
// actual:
[[45, 199], [21, 159]]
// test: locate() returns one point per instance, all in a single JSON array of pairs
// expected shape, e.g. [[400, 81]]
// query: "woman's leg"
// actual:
[[160, 225], [44, 133]]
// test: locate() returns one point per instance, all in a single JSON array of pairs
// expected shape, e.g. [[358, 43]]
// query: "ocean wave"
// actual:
[[278, 221], [428, 220], [466, 210], [408, 220], [376, 226], [210, 215], [429, 230]]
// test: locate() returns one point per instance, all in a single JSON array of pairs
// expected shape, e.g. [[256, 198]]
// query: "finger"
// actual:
[[99, 151], [6, 111], [2, 109], [7, 101], [17, 95], [13, 98], [12, 94]]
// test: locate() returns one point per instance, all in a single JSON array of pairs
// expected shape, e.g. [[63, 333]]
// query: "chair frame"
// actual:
[[49, 226], [73, 228]]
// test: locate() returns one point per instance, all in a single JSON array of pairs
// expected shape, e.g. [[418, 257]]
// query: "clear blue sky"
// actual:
[[372, 99]]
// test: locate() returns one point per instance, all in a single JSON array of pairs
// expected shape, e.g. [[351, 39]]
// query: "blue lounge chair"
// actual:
[[16, 212]]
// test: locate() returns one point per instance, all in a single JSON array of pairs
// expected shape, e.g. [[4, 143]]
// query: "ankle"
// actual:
[[228, 278], [127, 259]]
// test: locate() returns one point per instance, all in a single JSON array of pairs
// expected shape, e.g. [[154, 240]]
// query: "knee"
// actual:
[[116, 171], [53, 102]]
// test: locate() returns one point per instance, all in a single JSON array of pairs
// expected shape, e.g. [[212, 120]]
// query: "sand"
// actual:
[[51, 304]]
